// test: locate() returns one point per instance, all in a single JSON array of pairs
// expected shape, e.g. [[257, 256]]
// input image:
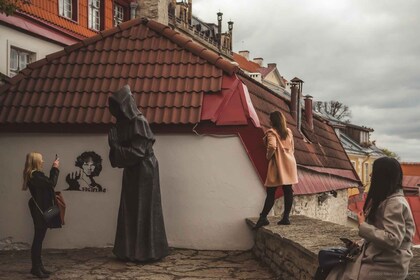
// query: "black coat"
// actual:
[[141, 232], [42, 191]]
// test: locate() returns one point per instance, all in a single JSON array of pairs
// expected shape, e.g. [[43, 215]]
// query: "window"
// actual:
[[19, 58], [68, 9], [366, 172], [118, 14], [95, 14]]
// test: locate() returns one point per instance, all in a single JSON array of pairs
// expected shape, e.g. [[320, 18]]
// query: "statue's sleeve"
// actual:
[[121, 156]]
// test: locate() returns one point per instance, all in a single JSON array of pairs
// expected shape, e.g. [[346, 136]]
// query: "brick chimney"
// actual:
[[308, 111], [259, 60], [297, 84], [244, 54]]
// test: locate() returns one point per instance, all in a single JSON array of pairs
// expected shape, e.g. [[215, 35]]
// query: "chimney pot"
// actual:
[[244, 54], [259, 60]]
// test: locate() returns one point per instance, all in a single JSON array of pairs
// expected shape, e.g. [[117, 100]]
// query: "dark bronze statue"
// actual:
[[140, 231]]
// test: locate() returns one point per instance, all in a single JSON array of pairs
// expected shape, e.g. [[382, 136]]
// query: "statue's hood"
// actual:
[[125, 100]]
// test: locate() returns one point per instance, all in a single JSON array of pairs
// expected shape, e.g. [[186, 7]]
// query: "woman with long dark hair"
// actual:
[[387, 227], [41, 188], [282, 169]]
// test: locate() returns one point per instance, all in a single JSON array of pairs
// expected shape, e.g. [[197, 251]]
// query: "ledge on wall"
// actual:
[[291, 251]]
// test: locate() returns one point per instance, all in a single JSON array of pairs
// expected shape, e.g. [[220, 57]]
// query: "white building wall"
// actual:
[[332, 209], [208, 186], [12, 37]]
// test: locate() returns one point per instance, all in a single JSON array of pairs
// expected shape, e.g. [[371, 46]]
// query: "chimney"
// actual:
[[272, 65], [296, 82], [308, 111], [259, 60], [230, 27], [244, 54], [219, 29], [158, 10], [133, 8], [293, 100], [189, 12]]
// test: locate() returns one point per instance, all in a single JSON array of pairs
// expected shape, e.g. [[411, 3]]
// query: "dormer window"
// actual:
[[68, 9], [364, 137], [121, 12], [95, 14], [118, 14]]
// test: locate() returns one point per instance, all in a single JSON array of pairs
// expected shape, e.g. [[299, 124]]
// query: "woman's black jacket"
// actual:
[[42, 191]]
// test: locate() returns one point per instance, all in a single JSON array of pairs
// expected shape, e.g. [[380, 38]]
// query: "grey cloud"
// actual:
[[362, 53]]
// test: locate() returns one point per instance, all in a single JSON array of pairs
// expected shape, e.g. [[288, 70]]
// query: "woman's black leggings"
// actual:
[[37, 245], [269, 200]]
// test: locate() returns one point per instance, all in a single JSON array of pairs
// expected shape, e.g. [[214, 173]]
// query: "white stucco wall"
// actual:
[[332, 209], [11, 37], [208, 186]]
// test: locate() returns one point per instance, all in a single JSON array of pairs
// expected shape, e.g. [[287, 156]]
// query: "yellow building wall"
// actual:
[[363, 166]]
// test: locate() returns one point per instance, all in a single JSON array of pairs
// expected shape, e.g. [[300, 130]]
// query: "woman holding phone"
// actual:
[[386, 226], [41, 188]]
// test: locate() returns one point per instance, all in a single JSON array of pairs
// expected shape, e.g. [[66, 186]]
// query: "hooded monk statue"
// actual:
[[140, 230]]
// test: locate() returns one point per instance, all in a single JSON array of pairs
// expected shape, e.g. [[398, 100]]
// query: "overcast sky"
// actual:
[[363, 53]]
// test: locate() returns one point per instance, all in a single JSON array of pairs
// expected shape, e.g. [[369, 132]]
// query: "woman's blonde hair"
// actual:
[[33, 162]]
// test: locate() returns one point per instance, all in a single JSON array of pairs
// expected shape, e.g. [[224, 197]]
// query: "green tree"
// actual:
[[8, 7], [390, 153]]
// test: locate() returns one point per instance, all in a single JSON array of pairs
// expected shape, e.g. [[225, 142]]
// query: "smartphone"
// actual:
[[346, 241]]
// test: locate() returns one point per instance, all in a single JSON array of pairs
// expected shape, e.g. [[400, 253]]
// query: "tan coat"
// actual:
[[282, 169], [386, 253]]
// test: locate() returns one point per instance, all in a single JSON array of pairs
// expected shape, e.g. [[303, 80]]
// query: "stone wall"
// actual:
[[328, 208], [291, 251]]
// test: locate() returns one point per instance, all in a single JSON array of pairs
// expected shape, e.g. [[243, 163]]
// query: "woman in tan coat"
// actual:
[[282, 169], [387, 231]]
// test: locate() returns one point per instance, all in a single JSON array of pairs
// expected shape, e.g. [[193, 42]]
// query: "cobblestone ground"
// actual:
[[94, 263]]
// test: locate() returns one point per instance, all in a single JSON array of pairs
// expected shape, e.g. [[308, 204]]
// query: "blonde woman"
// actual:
[[41, 188], [282, 169]]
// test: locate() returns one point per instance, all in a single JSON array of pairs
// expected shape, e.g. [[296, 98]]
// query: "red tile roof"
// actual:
[[245, 64], [168, 74], [411, 181], [325, 150], [47, 11]]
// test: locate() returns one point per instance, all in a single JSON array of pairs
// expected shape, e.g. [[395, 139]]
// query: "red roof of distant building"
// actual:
[[245, 64], [47, 11], [411, 168]]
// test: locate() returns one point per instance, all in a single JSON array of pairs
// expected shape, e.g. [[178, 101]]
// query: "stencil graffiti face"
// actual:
[[88, 167]]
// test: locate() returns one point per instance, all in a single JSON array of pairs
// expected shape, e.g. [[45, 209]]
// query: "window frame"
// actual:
[[100, 13], [126, 11], [74, 13], [30, 56]]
